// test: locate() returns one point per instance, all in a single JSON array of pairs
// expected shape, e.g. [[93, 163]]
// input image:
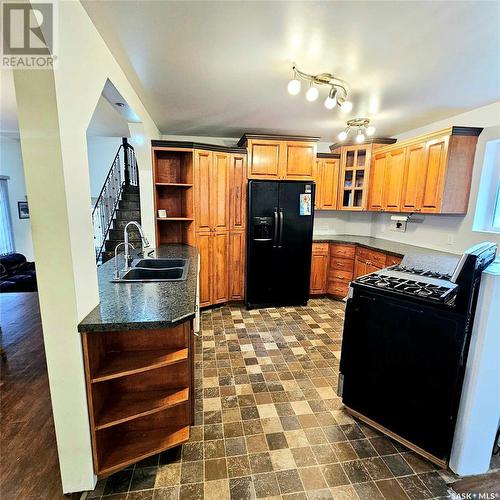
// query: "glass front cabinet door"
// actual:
[[355, 165]]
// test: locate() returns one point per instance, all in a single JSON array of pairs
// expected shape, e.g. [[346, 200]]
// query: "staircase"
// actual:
[[117, 204], [129, 208]]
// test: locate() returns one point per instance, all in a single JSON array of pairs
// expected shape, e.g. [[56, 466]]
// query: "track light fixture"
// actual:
[[336, 95], [361, 125]]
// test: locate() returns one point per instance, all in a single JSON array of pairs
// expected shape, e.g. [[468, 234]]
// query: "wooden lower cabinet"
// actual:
[[368, 261], [214, 284], [140, 388], [335, 265], [319, 268], [236, 265], [340, 269]]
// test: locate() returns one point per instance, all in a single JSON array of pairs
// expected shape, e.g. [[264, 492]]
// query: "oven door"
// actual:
[[401, 366]]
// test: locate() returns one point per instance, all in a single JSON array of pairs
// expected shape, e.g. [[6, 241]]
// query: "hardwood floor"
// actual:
[[29, 467]]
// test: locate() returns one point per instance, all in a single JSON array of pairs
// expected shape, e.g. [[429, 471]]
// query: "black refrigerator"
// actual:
[[279, 242]]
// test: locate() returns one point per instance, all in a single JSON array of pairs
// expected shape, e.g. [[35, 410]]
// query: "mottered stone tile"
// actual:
[[269, 423]]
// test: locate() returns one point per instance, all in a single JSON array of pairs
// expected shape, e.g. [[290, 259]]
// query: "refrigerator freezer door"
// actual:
[[262, 242]]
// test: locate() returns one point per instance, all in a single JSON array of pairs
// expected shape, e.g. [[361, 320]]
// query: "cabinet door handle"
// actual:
[[237, 192]]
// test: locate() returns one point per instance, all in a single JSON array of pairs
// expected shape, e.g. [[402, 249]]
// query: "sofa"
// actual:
[[16, 274]]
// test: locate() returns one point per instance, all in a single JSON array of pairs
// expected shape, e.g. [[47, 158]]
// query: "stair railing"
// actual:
[[119, 175]]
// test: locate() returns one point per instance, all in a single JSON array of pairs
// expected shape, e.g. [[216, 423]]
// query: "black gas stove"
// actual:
[[405, 344], [425, 284]]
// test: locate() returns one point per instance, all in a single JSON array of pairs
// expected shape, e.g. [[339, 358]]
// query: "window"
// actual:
[[496, 213], [487, 216], [6, 235]]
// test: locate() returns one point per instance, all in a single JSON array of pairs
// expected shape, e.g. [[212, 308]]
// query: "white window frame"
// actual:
[[487, 215]]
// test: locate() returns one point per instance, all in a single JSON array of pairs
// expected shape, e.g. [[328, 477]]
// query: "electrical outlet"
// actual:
[[450, 239], [398, 225]]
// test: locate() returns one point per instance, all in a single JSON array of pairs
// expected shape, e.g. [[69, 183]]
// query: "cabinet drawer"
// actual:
[[320, 248], [392, 260], [341, 264], [376, 258], [337, 274], [338, 288], [346, 251]]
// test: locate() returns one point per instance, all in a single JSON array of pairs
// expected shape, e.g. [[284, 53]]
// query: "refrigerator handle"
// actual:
[[275, 239], [282, 219]]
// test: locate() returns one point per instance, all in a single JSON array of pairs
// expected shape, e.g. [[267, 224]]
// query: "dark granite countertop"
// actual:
[[387, 246], [131, 306]]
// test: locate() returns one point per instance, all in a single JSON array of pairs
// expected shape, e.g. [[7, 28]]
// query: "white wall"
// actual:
[[11, 165], [102, 151]]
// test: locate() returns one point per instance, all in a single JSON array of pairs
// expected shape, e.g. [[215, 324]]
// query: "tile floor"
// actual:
[[269, 423]]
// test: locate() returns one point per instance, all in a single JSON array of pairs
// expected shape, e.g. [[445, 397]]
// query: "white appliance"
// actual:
[[479, 412]]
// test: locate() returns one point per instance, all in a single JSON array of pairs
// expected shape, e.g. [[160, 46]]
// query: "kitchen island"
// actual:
[[138, 352]]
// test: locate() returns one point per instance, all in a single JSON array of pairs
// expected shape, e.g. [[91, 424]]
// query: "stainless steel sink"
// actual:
[[159, 263], [144, 270]]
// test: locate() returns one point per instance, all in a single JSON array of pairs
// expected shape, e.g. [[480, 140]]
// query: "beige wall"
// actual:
[[54, 112]]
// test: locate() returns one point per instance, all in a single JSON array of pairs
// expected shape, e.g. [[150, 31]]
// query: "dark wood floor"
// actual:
[[29, 466]]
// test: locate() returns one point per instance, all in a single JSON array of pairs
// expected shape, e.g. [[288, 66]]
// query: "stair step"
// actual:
[[129, 205], [110, 245], [128, 215], [121, 223], [131, 189], [130, 197], [117, 234]]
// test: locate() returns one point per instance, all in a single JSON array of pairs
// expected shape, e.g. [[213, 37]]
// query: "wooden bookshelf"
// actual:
[[139, 393], [173, 178]]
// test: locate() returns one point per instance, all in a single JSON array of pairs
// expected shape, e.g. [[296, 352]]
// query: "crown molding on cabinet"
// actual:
[[197, 145]]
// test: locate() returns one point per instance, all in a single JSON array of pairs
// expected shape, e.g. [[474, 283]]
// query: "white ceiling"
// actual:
[[221, 68]]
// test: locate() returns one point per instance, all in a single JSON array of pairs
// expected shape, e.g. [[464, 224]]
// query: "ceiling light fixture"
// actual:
[[312, 93], [361, 125], [336, 95]]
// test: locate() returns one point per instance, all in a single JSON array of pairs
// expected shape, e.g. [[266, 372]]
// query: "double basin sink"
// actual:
[[143, 270]]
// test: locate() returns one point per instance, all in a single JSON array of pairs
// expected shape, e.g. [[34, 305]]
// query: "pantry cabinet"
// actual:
[[277, 157], [429, 174]]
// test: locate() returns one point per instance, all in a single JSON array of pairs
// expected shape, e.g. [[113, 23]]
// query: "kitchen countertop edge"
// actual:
[[122, 306], [383, 245]]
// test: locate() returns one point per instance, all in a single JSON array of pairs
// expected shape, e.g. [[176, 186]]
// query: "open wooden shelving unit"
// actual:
[[173, 182], [139, 392]]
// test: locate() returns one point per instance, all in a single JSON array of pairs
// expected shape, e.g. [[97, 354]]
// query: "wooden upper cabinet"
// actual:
[[280, 157], [413, 182], [354, 177], [264, 159], [435, 165], [430, 174], [238, 191], [219, 192], [393, 179], [299, 159], [202, 177], [377, 179], [328, 186]]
